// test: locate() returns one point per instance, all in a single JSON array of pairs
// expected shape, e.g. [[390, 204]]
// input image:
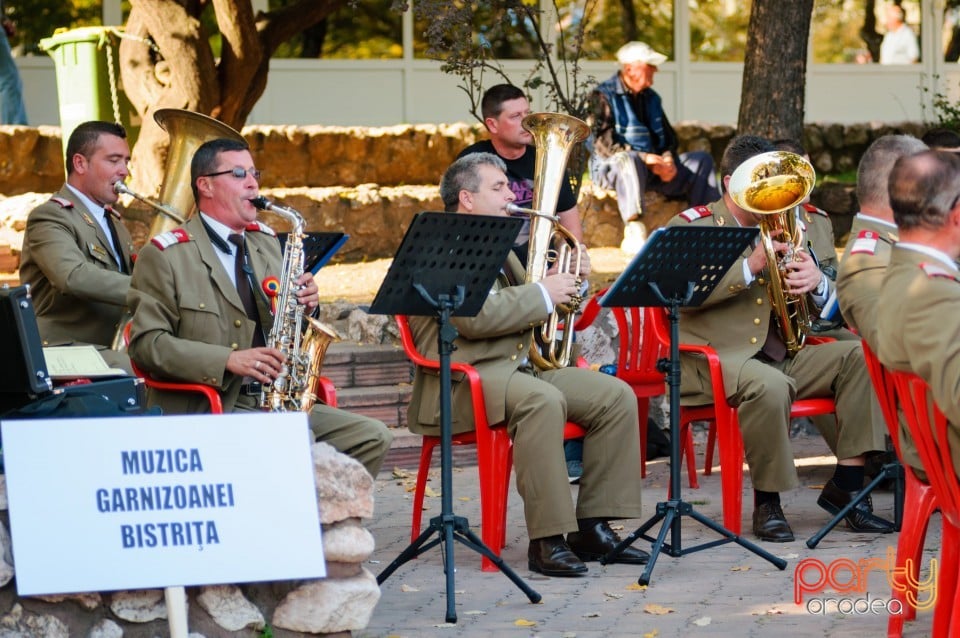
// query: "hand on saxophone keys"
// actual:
[[262, 364], [308, 293]]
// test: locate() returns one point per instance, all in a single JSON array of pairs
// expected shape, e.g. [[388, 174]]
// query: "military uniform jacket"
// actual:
[[188, 316], [864, 264], [818, 231], [733, 320], [496, 342], [78, 290], [918, 328]]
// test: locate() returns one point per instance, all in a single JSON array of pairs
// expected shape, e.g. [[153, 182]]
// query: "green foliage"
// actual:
[[267, 632], [946, 111], [38, 19], [360, 30]]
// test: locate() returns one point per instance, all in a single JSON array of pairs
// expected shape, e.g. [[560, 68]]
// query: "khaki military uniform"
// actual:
[[865, 260], [917, 328], [78, 290], [188, 318], [734, 320], [536, 405]]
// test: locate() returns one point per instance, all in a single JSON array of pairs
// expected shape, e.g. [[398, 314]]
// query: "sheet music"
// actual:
[[73, 362]]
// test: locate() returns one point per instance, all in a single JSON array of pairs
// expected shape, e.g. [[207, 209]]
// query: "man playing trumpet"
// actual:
[[536, 404], [761, 380], [77, 254]]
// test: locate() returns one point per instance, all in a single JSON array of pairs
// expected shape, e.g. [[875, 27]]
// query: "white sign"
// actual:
[[144, 502]]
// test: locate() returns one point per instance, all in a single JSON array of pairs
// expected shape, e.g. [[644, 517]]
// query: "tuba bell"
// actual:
[[187, 131], [772, 185], [554, 136]]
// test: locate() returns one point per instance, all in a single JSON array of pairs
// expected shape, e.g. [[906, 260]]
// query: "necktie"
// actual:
[[774, 347], [114, 238], [246, 292]]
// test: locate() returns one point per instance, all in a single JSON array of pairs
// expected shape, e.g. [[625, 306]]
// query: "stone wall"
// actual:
[[370, 182], [339, 604]]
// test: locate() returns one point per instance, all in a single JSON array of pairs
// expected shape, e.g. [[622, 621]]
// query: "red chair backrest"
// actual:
[[886, 391], [929, 429]]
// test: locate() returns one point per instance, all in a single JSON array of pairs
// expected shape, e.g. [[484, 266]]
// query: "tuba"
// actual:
[[554, 136], [187, 131], [295, 389], [772, 185]]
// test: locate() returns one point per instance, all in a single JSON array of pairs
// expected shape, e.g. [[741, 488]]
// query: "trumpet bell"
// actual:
[[772, 182]]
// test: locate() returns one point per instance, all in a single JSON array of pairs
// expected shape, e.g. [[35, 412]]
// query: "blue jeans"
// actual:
[[12, 109]]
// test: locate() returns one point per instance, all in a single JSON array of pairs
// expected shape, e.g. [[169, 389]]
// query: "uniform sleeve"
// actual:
[[505, 311], [158, 319], [59, 253]]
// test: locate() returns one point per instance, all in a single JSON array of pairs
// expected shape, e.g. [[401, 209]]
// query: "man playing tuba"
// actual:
[[761, 379], [76, 250], [536, 404], [199, 313]]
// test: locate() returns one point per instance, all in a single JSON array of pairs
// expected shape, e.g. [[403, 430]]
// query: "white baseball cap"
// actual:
[[639, 52]]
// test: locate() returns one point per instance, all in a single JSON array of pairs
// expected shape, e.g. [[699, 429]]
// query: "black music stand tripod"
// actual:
[[679, 266], [451, 261]]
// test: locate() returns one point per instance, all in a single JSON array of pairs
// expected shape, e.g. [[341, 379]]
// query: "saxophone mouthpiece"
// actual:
[[260, 202]]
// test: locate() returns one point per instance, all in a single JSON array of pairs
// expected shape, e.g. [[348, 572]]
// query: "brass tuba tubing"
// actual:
[[122, 189], [554, 136], [772, 185]]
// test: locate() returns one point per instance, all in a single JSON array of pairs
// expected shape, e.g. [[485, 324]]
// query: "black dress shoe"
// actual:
[[551, 556], [769, 524], [598, 541], [861, 518]]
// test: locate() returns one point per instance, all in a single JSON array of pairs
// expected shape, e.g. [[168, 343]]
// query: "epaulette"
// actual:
[[865, 243], [695, 213], [933, 270], [169, 238], [64, 203], [810, 208], [260, 227]]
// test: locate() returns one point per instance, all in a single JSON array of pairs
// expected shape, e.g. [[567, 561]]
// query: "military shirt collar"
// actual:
[[940, 256]]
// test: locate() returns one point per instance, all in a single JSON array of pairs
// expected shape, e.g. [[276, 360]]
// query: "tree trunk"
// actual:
[[167, 62], [774, 72]]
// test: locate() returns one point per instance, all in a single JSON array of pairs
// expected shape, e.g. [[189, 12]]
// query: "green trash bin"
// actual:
[[87, 62]]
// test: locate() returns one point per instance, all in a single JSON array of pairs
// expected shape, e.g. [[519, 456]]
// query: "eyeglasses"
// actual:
[[238, 172]]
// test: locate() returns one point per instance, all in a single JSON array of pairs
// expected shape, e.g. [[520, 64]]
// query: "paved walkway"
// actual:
[[721, 591]]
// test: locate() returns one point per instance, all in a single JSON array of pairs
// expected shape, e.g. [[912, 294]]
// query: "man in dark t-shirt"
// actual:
[[503, 108]]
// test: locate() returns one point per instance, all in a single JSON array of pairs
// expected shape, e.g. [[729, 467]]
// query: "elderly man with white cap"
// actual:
[[635, 148]]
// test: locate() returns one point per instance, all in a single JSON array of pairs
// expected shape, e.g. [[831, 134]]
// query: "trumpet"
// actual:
[[121, 189]]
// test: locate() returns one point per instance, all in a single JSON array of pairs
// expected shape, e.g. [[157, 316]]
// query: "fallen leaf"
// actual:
[[520, 622], [652, 634], [656, 610], [636, 587], [464, 498], [400, 473], [429, 491], [610, 594], [406, 587], [617, 528], [740, 568], [445, 625], [592, 614], [702, 622]]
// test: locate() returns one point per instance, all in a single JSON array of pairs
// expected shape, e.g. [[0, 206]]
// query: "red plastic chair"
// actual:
[[637, 355], [726, 426], [326, 392], [927, 425], [919, 500], [494, 454]]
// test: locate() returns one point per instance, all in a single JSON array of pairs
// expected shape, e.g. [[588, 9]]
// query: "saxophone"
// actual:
[[295, 388]]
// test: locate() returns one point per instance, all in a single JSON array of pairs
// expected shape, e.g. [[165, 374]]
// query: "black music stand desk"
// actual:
[[679, 266], [445, 267], [318, 248]]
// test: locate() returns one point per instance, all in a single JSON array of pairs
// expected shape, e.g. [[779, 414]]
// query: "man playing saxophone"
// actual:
[[199, 314], [762, 379], [535, 403]]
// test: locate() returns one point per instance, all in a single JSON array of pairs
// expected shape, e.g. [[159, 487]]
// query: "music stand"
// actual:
[[318, 248], [678, 266], [451, 261]]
